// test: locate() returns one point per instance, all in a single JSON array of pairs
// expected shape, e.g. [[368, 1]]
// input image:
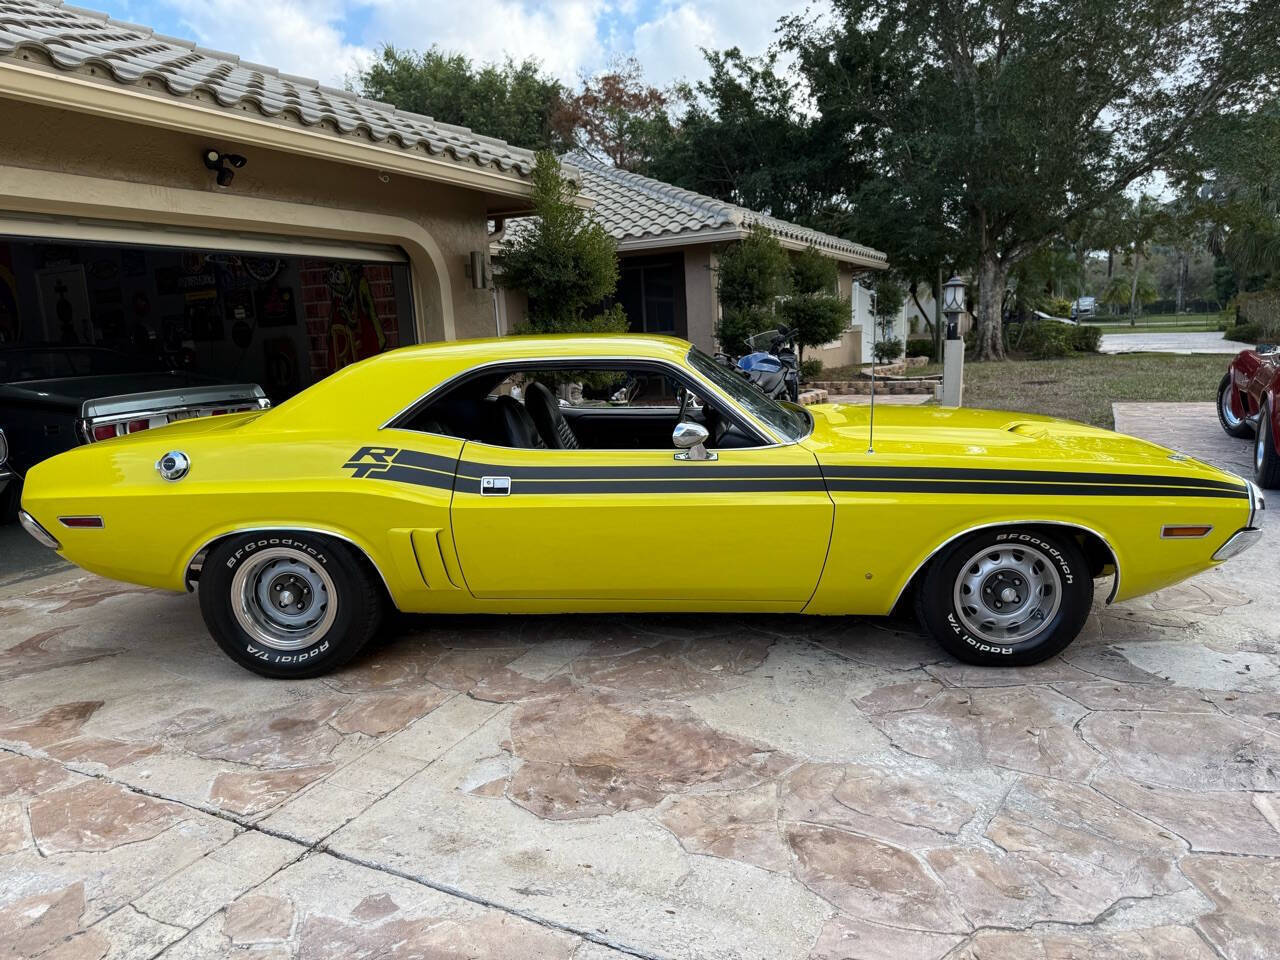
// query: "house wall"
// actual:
[[55, 161], [702, 302]]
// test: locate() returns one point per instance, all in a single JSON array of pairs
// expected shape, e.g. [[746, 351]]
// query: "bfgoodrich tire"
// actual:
[[1006, 597], [1231, 412], [287, 604]]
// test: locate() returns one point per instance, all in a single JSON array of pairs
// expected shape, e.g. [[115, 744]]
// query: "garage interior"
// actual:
[[280, 314]]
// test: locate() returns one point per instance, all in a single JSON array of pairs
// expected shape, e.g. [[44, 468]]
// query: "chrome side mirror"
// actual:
[[691, 439]]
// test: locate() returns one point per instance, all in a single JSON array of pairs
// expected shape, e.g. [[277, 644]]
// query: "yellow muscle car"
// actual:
[[626, 473]]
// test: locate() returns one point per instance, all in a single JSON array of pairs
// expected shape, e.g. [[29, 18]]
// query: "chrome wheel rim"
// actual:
[[1007, 593], [1228, 414], [282, 600]]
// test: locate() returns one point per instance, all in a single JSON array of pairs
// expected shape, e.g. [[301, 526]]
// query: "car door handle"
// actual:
[[495, 486]]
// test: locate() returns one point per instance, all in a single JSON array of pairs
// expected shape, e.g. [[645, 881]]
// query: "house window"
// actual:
[[651, 291]]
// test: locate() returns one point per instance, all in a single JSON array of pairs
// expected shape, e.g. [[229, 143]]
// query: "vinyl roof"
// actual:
[[92, 44]]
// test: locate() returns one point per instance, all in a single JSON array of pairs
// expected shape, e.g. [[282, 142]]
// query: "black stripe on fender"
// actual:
[[402, 474], [690, 485], [675, 472], [1030, 476], [995, 488]]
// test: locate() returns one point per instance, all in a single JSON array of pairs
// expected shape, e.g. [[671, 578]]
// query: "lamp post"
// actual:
[[953, 304]]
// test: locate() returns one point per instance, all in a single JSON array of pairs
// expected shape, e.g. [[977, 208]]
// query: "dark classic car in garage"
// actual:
[[53, 398]]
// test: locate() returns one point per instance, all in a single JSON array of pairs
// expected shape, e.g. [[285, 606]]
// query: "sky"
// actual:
[[329, 39]]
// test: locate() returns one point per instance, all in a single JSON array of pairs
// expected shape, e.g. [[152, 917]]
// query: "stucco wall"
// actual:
[[135, 173], [701, 301]]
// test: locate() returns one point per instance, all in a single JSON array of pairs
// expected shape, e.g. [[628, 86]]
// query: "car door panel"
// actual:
[[636, 428], [638, 525]]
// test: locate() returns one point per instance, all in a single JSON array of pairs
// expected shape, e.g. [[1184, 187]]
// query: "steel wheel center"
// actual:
[[1007, 593]]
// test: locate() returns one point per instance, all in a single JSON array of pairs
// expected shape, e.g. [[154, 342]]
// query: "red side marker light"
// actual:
[[81, 521]]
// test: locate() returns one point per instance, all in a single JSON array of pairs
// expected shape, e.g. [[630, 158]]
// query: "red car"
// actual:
[[1248, 406]]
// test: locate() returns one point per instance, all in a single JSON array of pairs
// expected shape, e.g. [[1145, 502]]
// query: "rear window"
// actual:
[[17, 366]]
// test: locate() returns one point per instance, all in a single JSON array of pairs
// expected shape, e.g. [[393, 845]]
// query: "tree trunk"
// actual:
[[1181, 298], [988, 338], [1133, 288]]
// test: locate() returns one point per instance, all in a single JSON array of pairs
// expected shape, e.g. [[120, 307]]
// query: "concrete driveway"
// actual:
[[684, 787], [1211, 342]]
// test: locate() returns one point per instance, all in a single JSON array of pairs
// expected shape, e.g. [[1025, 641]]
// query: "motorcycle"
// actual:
[[775, 372]]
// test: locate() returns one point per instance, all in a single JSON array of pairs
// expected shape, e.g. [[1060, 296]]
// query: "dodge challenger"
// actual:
[[626, 473]]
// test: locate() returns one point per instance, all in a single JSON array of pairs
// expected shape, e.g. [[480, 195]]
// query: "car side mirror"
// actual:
[[691, 439]]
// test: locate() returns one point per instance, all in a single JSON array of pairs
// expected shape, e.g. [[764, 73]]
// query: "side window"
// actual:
[[560, 408]]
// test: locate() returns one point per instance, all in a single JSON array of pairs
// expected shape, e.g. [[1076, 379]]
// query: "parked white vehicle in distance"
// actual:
[[1083, 308]]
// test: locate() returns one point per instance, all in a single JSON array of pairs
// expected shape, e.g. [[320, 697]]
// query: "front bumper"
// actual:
[[1251, 533], [41, 535]]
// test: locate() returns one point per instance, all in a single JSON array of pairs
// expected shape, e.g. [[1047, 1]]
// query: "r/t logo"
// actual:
[[371, 461]]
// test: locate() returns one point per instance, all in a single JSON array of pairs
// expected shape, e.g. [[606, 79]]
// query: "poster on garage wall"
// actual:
[[64, 304]]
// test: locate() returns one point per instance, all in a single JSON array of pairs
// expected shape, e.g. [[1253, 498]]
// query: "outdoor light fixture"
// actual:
[[218, 163], [953, 305]]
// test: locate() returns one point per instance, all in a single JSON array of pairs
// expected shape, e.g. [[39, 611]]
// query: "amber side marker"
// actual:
[[1185, 533], [80, 521]]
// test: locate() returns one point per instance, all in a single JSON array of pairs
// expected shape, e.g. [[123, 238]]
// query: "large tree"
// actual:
[[1017, 119], [616, 116], [513, 101]]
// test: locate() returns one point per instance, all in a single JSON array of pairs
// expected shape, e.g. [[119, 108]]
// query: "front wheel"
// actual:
[[1231, 412], [1266, 463], [289, 605], [1008, 597]]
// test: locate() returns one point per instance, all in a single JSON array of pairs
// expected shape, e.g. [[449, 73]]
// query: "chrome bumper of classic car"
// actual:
[[5, 473], [42, 536], [1245, 538], [108, 417]]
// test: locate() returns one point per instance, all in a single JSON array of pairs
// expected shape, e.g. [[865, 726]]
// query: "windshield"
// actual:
[[786, 423]]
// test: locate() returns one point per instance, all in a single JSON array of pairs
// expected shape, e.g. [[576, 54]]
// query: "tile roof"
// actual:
[[637, 210], [74, 39]]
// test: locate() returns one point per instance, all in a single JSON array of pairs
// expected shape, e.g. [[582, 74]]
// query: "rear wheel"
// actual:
[[1266, 463], [1007, 597], [289, 604], [1231, 412]]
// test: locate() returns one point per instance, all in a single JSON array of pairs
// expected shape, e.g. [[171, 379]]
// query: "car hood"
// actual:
[[961, 437]]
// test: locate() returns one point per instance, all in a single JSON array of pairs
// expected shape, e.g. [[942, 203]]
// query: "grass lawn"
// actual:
[[1082, 387]]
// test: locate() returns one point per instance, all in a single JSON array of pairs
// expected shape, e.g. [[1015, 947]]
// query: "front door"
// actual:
[[640, 525]]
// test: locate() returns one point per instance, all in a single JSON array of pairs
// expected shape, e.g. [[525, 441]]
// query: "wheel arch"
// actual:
[[191, 573], [1097, 549]]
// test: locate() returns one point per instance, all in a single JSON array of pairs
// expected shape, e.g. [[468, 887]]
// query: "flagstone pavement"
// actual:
[[647, 786]]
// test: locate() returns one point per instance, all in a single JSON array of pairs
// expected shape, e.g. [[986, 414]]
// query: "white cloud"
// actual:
[[563, 35], [303, 37]]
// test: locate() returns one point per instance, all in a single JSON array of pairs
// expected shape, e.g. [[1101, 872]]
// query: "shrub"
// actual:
[[920, 347], [1045, 339], [887, 350], [565, 261], [1085, 339], [810, 370], [738, 323], [1245, 333]]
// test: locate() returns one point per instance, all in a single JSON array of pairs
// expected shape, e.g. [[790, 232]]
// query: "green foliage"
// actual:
[[889, 298], [564, 260], [1086, 339], [919, 347], [887, 350], [753, 272], [1046, 339], [813, 272], [737, 324], [810, 370], [816, 318], [1245, 333], [515, 102]]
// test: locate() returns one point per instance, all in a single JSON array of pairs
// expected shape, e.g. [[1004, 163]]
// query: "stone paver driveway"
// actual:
[[1211, 342], [684, 787]]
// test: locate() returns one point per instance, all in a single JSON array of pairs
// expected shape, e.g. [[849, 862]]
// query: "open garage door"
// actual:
[[282, 312]]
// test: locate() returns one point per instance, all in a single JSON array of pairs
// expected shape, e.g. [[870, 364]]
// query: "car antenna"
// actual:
[[871, 425]]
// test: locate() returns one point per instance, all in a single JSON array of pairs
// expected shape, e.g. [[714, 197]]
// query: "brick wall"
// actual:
[[318, 300]]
